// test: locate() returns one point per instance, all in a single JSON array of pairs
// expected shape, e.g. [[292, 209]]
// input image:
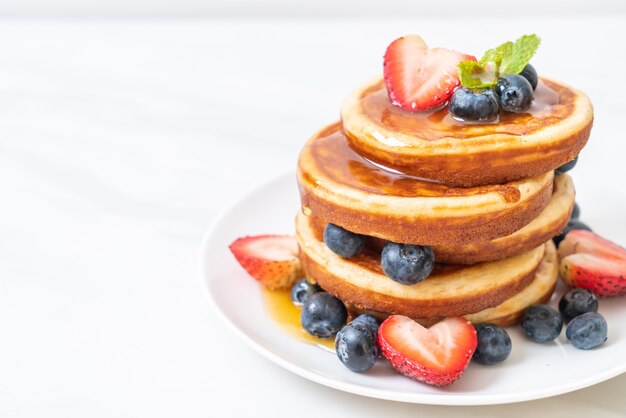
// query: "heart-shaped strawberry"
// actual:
[[593, 263], [437, 355], [418, 78]]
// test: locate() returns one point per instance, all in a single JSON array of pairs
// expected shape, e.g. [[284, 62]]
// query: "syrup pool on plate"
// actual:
[[287, 316]]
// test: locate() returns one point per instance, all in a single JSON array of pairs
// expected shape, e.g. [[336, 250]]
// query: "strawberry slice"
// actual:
[[437, 355], [271, 259], [593, 263], [418, 78]]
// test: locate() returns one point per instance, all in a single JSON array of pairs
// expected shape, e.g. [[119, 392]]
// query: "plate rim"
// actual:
[[455, 399]]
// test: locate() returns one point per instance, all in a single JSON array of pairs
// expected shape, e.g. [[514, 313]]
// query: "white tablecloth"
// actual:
[[121, 140]]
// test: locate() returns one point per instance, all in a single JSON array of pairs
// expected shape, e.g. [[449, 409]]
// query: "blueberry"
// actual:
[[515, 93], [567, 166], [342, 242], [357, 346], [323, 315], [577, 302], [541, 323], [530, 74], [368, 320], [494, 344], [302, 290], [575, 212], [587, 330], [468, 105], [407, 264], [571, 225]]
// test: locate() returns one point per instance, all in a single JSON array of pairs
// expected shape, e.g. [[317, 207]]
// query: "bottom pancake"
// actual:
[[510, 311], [448, 291]]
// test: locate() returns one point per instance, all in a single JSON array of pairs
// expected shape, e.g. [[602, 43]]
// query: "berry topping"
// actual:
[[419, 78], [323, 315], [594, 263], [302, 290], [437, 355], [515, 93], [344, 243], [356, 345], [572, 225], [468, 105], [270, 259], [541, 323], [577, 302], [587, 331], [575, 212], [494, 344], [567, 166], [368, 320], [407, 264], [530, 74]]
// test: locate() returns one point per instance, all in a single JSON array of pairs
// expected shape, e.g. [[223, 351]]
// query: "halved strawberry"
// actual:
[[271, 259], [437, 355], [592, 262], [418, 78]]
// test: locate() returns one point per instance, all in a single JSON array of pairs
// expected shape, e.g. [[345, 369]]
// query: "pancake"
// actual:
[[549, 223], [509, 312], [341, 187], [448, 291], [433, 145]]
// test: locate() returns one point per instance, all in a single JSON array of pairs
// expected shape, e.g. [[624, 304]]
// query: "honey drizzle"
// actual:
[[287, 316]]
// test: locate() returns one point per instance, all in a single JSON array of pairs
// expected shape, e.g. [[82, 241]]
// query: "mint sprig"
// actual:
[[508, 58]]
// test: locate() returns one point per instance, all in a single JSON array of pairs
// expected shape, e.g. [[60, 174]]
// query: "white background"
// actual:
[[316, 8], [120, 140]]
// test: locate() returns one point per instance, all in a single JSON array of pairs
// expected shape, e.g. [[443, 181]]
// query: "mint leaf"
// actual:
[[508, 58], [473, 75], [515, 58], [493, 57]]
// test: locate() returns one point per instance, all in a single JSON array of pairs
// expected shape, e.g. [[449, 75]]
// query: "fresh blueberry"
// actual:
[[541, 323], [530, 74], [571, 225], [494, 344], [587, 330], [368, 320], [357, 346], [515, 93], [575, 212], [407, 264], [342, 242], [567, 166], [302, 290], [468, 105], [323, 315], [577, 302]]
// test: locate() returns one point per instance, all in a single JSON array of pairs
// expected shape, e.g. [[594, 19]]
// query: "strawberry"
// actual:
[[271, 259], [593, 263], [418, 78], [437, 355]]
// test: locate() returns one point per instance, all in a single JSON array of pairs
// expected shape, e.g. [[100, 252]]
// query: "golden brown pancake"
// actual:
[[433, 145], [510, 311], [549, 223], [448, 291], [341, 187]]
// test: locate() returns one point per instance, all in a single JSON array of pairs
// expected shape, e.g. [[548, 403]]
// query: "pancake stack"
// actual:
[[485, 198]]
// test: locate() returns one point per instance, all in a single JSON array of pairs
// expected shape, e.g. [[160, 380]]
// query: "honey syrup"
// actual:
[[287, 316]]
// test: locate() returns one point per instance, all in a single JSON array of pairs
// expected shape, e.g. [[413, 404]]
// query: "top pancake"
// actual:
[[433, 145]]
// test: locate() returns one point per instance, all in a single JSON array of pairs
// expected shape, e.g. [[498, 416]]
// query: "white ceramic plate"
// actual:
[[532, 371]]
